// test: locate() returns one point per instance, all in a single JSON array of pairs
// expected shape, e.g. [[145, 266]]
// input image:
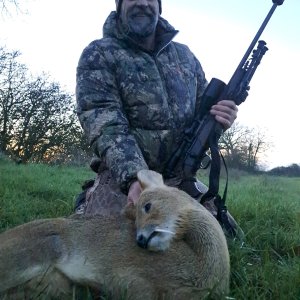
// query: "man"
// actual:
[[137, 91]]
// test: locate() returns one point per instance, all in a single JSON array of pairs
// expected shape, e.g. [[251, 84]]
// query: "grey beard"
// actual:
[[136, 31]]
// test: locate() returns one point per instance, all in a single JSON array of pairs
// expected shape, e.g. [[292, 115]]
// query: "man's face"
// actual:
[[140, 16]]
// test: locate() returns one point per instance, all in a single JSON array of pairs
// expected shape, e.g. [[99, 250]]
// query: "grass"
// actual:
[[268, 264], [265, 266], [35, 191]]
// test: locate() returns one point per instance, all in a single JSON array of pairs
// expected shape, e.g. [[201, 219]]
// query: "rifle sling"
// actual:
[[214, 179]]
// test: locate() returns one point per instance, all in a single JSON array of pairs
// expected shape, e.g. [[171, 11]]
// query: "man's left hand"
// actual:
[[225, 112]]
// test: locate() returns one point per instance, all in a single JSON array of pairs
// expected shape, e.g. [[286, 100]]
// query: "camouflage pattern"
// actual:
[[133, 104]]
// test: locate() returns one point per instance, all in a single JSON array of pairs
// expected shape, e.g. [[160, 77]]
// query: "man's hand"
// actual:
[[225, 112], [134, 192]]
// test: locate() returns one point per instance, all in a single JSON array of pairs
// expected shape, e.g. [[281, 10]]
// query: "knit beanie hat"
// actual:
[[119, 3]]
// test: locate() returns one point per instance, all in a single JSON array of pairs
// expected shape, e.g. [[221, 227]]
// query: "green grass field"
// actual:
[[266, 266]]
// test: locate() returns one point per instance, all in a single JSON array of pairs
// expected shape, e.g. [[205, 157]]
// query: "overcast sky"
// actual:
[[53, 33]]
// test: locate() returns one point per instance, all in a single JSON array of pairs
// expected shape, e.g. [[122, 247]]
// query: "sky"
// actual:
[[51, 35]]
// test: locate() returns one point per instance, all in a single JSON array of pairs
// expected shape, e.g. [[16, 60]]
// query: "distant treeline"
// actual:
[[292, 171]]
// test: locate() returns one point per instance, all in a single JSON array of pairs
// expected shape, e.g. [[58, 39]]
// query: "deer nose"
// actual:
[[142, 241]]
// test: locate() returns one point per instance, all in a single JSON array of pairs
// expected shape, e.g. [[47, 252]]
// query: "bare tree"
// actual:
[[243, 147], [258, 144], [12, 84], [6, 5], [46, 122], [37, 118]]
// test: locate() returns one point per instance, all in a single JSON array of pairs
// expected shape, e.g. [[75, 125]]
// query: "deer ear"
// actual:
[[150, 179]]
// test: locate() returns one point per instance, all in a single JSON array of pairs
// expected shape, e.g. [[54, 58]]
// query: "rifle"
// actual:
[[205, 131], [195, 143]]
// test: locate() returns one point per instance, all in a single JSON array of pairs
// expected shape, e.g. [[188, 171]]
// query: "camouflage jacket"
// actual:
[[134, 104]]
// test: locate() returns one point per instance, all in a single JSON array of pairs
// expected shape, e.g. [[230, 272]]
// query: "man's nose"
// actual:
[[142, 2]]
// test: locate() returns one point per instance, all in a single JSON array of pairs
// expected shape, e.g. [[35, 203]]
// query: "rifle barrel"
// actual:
[[256, 38]]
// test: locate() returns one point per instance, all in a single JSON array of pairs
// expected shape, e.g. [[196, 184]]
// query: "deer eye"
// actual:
[[147, 207]]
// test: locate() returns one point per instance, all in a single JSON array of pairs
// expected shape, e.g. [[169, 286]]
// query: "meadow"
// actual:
[[265, 265]]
